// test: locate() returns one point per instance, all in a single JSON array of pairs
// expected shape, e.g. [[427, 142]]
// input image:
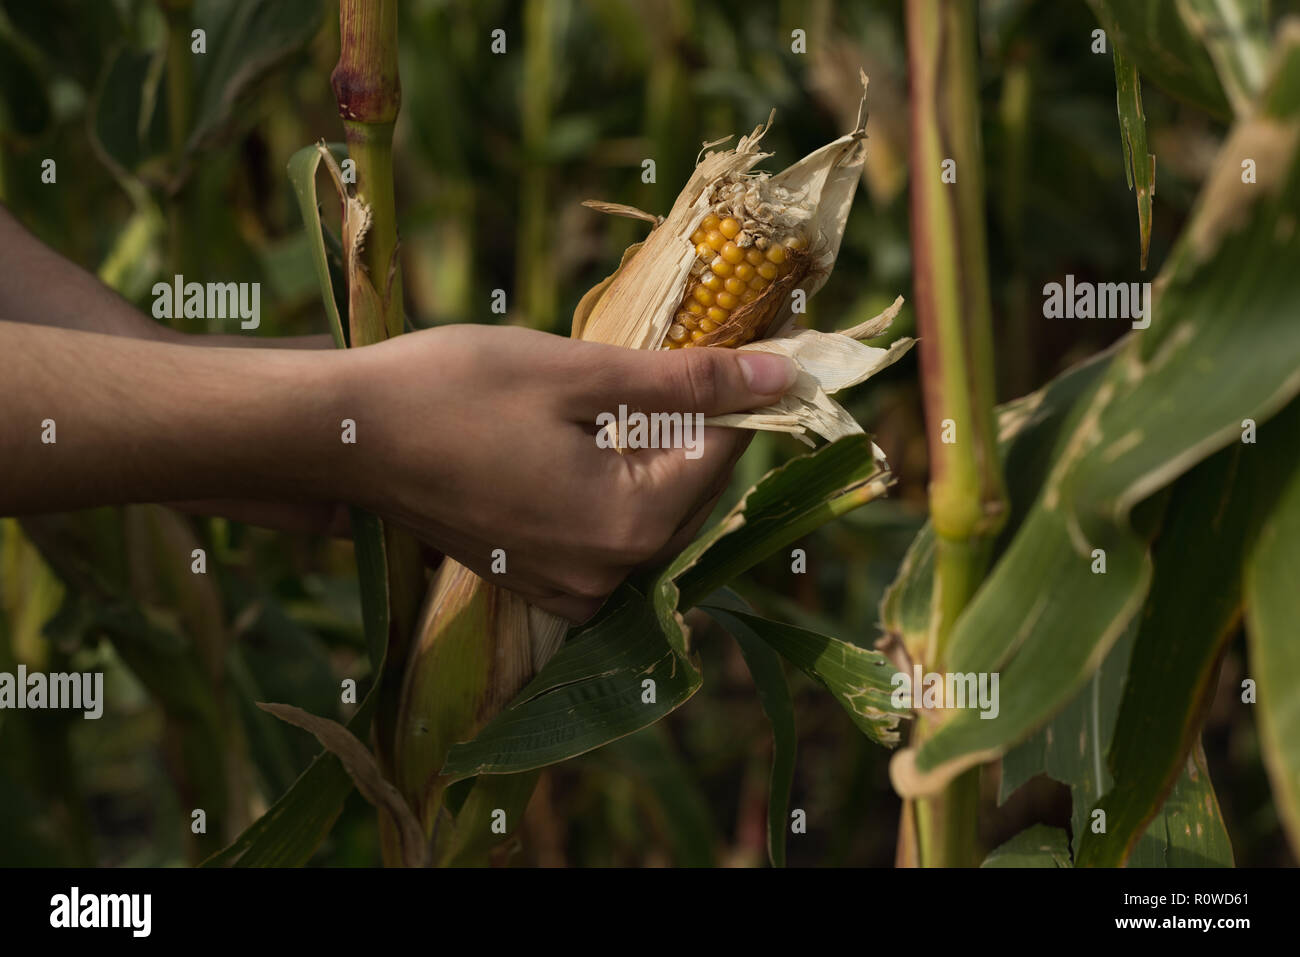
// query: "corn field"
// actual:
[[1003, 576]]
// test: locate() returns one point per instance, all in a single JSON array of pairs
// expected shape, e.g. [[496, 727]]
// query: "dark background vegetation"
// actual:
[[494, 154]]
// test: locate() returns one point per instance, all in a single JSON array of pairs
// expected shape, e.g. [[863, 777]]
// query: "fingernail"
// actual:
[[766, 374]]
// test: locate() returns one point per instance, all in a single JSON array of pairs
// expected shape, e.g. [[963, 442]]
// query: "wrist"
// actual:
[[344, 461], [326, 425], [268, 425]]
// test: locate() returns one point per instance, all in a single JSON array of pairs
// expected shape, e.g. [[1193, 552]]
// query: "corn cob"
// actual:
[[745, 268], [720, 269]]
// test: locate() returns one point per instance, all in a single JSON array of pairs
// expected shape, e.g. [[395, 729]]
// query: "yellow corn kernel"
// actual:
[[737, 276]]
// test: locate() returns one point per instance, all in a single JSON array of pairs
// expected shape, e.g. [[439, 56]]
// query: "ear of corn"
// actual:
[[721, 268]]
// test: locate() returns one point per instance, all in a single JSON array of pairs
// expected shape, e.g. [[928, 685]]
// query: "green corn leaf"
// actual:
[[289, 833], [303, 166], [1154, 36], [363, 769], [786, 504], [1188, 831], [1071, 748], [590, 693], [860, 680], [1223, 347], [1028, 429], [1037, 846], [1139, 165], [1272, 611], [765, 668], [487, 819], [1193, 607]]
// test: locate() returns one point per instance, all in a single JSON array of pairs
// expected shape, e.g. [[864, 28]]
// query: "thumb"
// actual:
[[711, 381]]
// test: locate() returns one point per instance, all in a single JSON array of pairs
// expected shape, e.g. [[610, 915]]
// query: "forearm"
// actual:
[[143, 421], [40, 287]]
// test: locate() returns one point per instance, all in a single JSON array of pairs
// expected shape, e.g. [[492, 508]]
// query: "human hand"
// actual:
[[480, 438]]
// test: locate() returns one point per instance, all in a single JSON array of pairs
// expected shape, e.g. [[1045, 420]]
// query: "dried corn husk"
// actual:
[[635, 306], [476, 646]]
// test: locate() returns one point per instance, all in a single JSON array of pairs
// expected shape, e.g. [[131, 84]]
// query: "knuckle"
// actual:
[[701, 377], [606, 378]]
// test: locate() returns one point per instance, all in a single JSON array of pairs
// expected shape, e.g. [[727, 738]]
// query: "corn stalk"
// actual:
[[455, 664], [368, 91], [967, 495]]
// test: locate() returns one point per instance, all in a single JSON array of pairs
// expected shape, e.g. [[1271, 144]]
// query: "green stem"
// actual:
[[369, 93], [370, 146], [368, 90], [954, 317], [947, 826]]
